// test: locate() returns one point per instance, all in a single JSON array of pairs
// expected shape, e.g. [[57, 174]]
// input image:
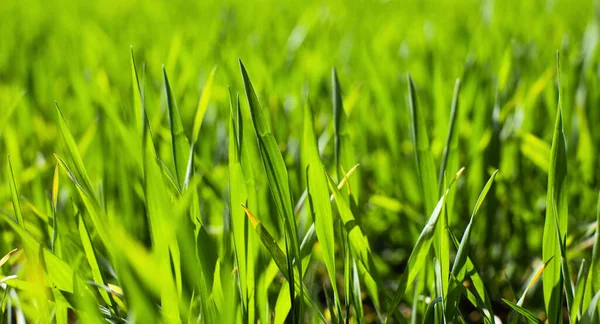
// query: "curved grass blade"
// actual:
[[278, 183], [138, 97], [529, 316], [280, 259], [418, 256], [203, 104], [556, 196]]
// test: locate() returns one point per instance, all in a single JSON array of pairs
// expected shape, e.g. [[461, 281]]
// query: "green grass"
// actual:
[[387, 162]]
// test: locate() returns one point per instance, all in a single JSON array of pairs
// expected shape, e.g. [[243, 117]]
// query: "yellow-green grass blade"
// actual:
[[418, 256], [318, 198], [580, 287], [162, 232], [595, 264], [203, 104], [73, 152], [138, 97], [54, 203], [556, 198], [343, 150], [238, 196], [14, 194], [277, 176], [463, 249], [529, 316], [280, 259], [358, 242], [451, 137], [179, 142], [90, 255], [591, 314]]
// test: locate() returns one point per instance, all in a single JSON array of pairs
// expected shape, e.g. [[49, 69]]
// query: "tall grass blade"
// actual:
[[556, 198]]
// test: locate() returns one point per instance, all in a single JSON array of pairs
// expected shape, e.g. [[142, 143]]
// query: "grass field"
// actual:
[[303, 161]]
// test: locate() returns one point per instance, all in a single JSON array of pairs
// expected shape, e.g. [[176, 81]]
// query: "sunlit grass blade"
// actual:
[[556, 198], [418, 256], [595, 264], [73, 151], [138, 97], [14, 194], [529, 316], [90, 254], [54, 203], [591, 314], [280, 259], [343, 150], [463, 249], [238, 195], [450, 137], [203, 104], [580, 287], [318, 198], [179, 142], [277, 176]]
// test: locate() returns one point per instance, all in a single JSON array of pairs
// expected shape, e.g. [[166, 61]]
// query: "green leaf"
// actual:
[[418, 256], [450, 138], [595, 265], [90, 254], [318, 198], [556, 200], [462, 253], [529, 316], [14, 194], [591, 316], [278, 182], [179, 142], [580, 286]]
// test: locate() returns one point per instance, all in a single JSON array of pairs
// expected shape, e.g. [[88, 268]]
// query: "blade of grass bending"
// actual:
[[536, 276], [359, 243], [278, 183], [582, 275], [179, 142], [279, 258], [529, 316], [450, 137], [556, 196], [318, 198], [416, 260], [14, 194]]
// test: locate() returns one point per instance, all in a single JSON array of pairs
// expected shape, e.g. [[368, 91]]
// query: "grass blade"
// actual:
[[556, 198], [179, 142], [14, 194], [278, 183]]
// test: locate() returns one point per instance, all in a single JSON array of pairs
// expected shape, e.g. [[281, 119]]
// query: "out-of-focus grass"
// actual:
[[141, 197]]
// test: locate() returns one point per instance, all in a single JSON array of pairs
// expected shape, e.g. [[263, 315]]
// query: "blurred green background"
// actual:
[[77, 53]]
